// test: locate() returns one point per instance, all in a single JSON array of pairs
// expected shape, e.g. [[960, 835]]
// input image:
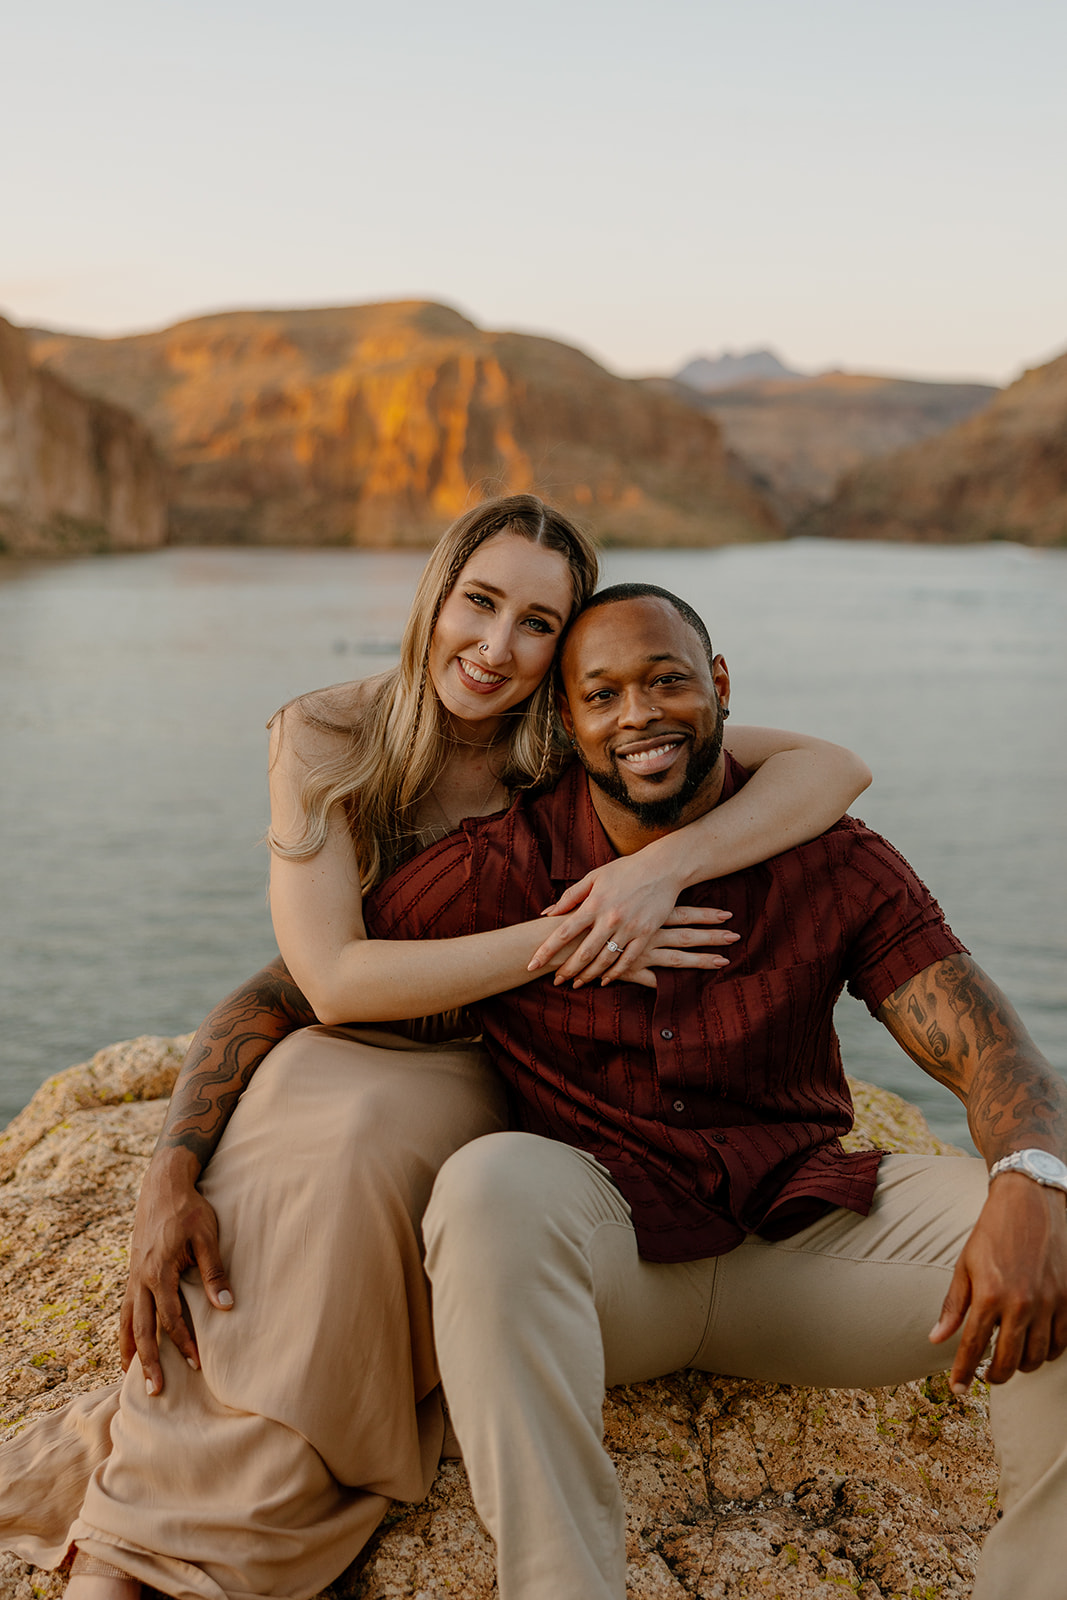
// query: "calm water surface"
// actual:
[[134, 690]]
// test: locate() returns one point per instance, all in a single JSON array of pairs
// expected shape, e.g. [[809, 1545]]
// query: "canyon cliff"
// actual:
[[801, 434], [77, 474], [377, 424], [1000, 475]]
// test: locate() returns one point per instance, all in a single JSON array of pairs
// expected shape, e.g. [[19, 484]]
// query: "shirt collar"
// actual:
[[578, 841]]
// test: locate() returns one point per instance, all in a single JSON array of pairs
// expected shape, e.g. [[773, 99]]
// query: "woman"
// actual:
[[264, 1472]]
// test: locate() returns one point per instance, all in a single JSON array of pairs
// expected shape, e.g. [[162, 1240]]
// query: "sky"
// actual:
[[876, 186]]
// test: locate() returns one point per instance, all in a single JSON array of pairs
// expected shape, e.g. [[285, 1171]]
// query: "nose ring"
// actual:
[[483, 648]]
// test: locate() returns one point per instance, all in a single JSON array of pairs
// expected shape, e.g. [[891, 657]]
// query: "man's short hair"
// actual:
[[641, 591]]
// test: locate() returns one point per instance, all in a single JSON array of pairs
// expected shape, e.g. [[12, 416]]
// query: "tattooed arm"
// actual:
[[174, 1227], [1012, 1275]]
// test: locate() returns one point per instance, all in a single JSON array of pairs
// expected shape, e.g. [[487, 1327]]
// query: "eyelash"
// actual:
[[483, 603], [666, 681]]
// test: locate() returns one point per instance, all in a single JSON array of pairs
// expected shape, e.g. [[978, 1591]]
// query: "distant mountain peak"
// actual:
[[732, 366]]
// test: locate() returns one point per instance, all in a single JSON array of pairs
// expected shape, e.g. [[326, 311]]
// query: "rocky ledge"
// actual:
[[734, 1490]]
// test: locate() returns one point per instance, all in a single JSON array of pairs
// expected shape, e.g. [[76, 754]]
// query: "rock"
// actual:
[[734, 1490], [1000, 475], [76, 474], [141, 1069], [377, 424], [801, 435]]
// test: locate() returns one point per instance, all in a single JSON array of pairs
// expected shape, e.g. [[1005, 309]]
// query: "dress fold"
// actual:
[[264, 1474]]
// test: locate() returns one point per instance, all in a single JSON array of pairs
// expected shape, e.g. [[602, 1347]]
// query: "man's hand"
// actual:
[[174, 1229], [1011, 1279]]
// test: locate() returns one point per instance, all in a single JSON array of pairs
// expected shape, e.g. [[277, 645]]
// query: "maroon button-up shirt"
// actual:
[[716, 1101]]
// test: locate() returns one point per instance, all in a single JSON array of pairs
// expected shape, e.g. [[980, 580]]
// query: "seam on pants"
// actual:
[[713, 1301], [711, 1325], [628, 1227]]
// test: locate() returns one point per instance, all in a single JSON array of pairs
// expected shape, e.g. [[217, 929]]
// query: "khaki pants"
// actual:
[[541, 1300]]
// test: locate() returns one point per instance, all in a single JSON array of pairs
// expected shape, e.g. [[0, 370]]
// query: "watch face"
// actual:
[[1043, 1165]]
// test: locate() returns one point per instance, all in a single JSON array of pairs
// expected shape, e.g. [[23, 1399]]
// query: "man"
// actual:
[[677, 1195]]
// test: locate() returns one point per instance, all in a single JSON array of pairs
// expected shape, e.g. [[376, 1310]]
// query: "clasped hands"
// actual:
[[628, 923]]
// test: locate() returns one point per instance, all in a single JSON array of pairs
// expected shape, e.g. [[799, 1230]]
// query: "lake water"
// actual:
[[134, 690]]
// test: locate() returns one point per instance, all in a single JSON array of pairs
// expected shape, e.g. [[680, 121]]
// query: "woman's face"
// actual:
[[499, 627]]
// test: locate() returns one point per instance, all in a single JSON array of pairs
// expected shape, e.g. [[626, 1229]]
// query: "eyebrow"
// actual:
[[491, 588], [610, 672]]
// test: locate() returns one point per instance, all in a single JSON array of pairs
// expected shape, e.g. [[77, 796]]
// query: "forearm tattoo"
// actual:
[[226, 1050], [954, 1021]]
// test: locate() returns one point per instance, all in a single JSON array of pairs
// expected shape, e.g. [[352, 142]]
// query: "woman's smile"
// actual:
[[479, 678]]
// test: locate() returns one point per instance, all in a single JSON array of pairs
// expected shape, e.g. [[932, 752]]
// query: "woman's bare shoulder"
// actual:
[[324, 721]]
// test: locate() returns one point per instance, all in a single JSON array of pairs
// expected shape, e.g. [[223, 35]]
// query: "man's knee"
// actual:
[[509, 1202], [485, 1191]]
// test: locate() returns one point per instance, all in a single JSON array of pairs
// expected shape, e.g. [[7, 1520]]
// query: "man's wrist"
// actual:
[[180, 1165], [1041, 1166]]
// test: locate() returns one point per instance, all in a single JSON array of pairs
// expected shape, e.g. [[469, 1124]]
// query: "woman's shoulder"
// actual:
[[323, 721]]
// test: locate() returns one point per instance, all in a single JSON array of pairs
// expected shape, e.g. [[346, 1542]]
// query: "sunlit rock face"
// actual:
[[1000, 475], [733, 1490], [801, 435], [76, 473], [376, 425]]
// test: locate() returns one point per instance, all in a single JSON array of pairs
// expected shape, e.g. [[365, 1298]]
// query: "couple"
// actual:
[[676, 1179]]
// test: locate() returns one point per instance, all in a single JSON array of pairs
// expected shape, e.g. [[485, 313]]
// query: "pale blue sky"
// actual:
[[874, 185]]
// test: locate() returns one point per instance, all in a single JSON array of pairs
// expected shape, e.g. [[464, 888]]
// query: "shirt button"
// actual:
[[718, 1138], [679, 1105], [666, 1033]]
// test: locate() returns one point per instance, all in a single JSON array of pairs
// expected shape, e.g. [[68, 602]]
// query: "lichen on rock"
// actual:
[[734, 1490]]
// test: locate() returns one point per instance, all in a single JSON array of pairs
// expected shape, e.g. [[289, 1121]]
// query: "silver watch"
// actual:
[[1036, 1164]]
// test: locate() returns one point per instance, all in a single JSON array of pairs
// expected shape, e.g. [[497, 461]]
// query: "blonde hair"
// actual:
[[398, 744]]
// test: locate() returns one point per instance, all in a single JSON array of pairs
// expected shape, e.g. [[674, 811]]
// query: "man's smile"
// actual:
[[650, 757]]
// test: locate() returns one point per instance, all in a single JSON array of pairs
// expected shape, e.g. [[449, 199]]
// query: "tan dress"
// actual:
[[264, 1474]]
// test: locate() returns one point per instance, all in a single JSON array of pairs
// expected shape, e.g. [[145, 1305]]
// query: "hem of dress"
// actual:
[[170, 1576]]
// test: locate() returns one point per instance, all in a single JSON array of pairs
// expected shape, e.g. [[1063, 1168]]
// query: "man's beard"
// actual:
[[670, 810]]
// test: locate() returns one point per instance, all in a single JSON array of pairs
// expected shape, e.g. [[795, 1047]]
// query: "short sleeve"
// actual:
[[898, 927]]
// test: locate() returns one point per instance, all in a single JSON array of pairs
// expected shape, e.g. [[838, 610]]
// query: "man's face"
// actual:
[[645, 709]]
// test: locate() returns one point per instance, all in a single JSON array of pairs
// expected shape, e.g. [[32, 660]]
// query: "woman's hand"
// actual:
[[680, 942], [623, 903]]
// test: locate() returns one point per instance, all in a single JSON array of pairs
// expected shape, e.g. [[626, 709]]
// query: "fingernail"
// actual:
[[150, 1386], [719, 961], [733, 937], [959, 1389], [225, 1299], [577, 983], [193, 1363]]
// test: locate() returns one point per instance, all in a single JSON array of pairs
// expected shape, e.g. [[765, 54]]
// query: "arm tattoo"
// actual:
[[226, 1050], [954, 1021]]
